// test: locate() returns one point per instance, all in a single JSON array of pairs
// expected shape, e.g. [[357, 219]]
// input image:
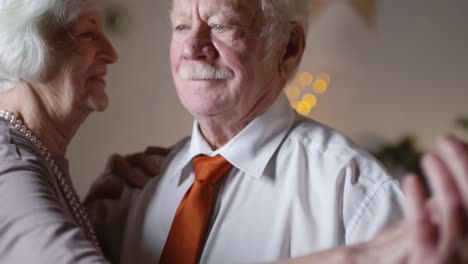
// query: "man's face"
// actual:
[[217, 57]]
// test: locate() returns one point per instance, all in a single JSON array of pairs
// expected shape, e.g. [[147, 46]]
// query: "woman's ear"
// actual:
[[294, 50]]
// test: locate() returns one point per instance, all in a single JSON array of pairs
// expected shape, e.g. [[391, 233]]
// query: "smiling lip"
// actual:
[[99, 78]]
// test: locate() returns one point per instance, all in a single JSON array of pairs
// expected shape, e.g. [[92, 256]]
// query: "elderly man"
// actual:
[[255, 182]]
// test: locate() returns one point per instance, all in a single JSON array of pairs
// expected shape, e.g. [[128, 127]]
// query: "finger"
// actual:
[[133, 159], [109, 188], [421, 230], [448, 201], [109, 165], [105, 186], [160, 151], [149, 166], [434, 213], [455, 154], [144, 162], [123, 169]]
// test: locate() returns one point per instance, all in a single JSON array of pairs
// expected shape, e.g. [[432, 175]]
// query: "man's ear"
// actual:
[[294, 50]]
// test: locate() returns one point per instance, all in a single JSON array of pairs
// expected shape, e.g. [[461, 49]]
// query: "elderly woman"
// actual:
[[53, 61]]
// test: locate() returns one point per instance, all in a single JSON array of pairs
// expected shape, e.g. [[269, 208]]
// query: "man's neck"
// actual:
[[219, 129], [217, 133]]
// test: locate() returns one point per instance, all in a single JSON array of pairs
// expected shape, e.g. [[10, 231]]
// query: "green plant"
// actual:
[[401, 157], [462, 122]]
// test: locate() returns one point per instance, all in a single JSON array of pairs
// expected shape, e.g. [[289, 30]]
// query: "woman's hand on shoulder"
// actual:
[[133, 170]]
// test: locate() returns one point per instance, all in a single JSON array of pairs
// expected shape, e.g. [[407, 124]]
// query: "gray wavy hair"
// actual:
[[282, 16], [25, 51]]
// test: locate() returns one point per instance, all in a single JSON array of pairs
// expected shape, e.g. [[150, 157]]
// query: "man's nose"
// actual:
[[199, 44]]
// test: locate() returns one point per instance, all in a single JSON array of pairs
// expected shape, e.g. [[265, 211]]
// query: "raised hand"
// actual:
[[438, 228]]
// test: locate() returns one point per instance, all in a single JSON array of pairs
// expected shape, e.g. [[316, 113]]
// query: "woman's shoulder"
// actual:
[[8, 148], [20, 162], [15, 147]]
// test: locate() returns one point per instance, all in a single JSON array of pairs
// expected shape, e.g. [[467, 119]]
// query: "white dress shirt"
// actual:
[[297, 187]]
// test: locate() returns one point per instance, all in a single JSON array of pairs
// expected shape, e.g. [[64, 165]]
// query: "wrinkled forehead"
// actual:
[[245, 9]]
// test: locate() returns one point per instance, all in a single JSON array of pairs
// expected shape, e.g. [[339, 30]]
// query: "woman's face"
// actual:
[[83, 77]]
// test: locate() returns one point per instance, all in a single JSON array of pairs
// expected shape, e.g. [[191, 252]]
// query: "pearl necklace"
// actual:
[[69, 194]]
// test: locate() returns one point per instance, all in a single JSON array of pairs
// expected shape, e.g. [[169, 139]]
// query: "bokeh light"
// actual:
[[310, 100], [324, 77], [294, 104], [293, 92], [303, 108], [320, 86], [305, 79], [302, 91]]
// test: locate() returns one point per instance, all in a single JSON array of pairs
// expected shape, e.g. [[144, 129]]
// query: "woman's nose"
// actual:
[[108, 52]]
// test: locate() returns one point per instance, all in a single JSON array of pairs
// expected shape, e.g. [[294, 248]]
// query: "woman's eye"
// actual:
[[89, 35]]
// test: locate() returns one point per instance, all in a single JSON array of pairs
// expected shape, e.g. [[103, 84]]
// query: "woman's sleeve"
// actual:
[[34, 227], [109, 217]]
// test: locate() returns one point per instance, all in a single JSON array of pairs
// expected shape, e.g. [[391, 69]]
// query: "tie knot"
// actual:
[[210, 169]]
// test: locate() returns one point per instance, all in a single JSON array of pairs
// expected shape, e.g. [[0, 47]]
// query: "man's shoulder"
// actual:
[[321, 139], [334, 162], [321, 144]]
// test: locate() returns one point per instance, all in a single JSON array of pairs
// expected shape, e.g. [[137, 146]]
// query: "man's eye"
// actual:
[[181, 27], [218, 27]]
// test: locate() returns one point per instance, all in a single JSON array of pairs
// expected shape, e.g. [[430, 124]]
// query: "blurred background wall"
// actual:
[[397, 67]]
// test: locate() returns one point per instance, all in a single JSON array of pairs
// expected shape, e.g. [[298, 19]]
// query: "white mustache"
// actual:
[[203, 71]]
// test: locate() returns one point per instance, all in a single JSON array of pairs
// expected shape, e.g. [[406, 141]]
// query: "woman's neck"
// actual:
[[45, 117]]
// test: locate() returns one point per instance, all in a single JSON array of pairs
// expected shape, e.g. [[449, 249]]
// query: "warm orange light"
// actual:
[[320, 86], [310, 100], [303, 108], [300, 84]]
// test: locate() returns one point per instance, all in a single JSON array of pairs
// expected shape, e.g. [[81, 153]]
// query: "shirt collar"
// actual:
[[251, 149]]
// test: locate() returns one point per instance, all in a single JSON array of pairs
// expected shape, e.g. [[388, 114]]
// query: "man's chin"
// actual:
[[204, 110]]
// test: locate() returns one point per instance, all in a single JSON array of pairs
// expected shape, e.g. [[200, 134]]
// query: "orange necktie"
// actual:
[[187, 234]]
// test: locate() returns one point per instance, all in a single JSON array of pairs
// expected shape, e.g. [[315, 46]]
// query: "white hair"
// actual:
[[25, 51], [281, 16]]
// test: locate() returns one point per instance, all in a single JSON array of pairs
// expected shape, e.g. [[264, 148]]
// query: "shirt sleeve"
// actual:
[[381, 207], [34, 226]]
